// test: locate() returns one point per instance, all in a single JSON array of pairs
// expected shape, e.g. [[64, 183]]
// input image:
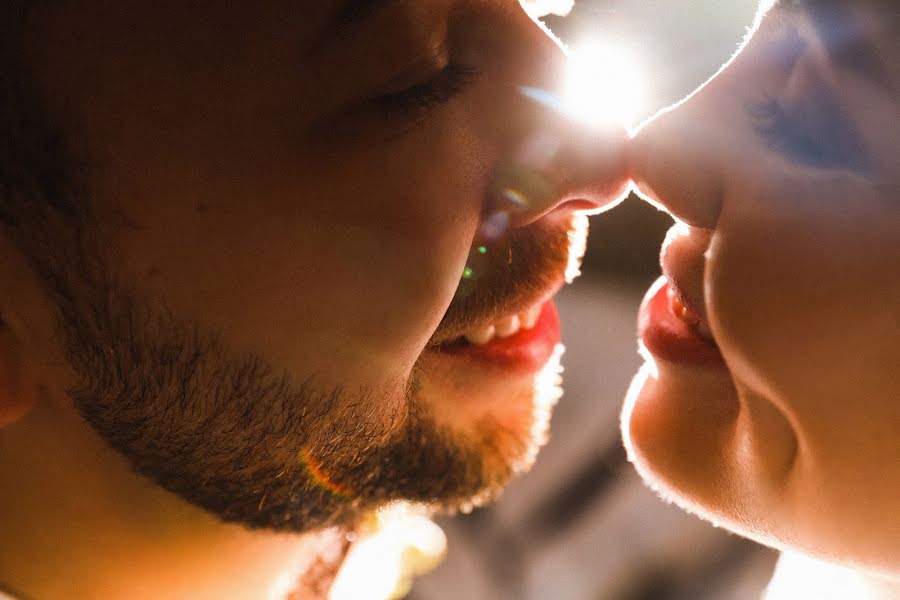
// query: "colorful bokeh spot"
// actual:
[[320, 477], [467, 273], [495, 225], [482, 250], [515, 197]]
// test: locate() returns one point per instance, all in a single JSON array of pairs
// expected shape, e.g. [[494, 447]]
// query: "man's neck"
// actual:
[[77, 522], [798, 576]]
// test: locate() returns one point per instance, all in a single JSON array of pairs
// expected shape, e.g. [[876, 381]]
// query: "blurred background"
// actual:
[[581, 525]]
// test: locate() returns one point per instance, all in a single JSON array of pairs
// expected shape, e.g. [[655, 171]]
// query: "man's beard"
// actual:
[[227, 433]]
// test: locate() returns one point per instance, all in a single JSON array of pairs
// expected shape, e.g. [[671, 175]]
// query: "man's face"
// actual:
[[782, 419], [285, 245]]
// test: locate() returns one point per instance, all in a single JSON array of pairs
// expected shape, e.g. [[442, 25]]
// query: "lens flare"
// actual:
[[603, 85], [515, 197], [318, 475], [517, 187], [398, 543], [494, 226], [540, 8]]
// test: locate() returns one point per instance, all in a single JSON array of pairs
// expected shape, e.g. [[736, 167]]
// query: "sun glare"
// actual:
[[540, 8], [603, 84], [397, 544]]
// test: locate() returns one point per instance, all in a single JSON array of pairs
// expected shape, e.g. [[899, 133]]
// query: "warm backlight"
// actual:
[[603, 85]]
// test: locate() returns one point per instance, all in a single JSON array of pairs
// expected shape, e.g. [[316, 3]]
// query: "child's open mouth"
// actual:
[[671, 331]]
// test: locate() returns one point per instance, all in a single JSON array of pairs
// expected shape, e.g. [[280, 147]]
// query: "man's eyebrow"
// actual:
[[353, 12], [347, 17], [844, 36]]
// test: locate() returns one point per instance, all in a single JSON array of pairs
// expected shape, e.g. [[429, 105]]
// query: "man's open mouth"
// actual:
[[504, 327], [504, 313], [508, 323], [522, 342]]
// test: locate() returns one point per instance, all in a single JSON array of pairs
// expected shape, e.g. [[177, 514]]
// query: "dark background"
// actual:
[[582, 525]]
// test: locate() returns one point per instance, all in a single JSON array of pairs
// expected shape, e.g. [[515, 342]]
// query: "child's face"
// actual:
[[786, 171]]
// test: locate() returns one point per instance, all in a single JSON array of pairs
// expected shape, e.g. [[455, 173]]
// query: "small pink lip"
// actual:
[[668, 337], [683, 261], [528, 351]]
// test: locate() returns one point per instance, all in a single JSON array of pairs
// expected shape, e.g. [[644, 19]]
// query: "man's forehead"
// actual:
[[205, 18]]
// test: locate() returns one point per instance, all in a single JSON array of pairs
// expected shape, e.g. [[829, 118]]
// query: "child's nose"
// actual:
[[676, 164]]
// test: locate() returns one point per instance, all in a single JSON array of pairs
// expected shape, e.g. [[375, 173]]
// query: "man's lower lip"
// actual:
[[525, 352], [668, 337]]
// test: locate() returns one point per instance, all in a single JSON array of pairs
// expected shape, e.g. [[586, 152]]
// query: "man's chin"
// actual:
[[500, 416], [469, 431]]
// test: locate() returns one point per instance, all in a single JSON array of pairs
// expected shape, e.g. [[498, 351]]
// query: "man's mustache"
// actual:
[[507, 276]]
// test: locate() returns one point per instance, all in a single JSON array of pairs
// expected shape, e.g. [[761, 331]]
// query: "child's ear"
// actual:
[[18, 389]]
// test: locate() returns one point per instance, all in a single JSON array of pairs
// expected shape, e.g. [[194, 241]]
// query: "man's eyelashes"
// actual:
[[417, 99]]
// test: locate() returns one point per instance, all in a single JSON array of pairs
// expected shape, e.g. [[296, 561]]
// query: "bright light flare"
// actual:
[[398, 543], [540, 8], [603, 85]]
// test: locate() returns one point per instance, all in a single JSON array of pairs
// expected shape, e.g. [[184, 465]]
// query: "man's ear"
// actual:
[[18, 388]]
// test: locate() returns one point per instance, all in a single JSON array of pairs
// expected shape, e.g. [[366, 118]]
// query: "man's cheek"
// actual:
[[404, 217], [396, 284], [411, 290]]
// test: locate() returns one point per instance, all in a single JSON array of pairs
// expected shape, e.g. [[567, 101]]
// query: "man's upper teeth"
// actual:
[[504, 327], [481, 335], [530, 317], [507, 326]]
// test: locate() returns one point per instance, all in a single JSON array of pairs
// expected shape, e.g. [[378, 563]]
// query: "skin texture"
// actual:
[[794, 441], [236, 320]]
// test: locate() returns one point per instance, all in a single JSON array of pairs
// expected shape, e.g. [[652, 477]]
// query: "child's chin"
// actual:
[[687, 435], [678, 428]]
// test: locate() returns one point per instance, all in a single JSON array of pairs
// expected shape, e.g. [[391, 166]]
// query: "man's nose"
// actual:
[[562, 167], [552, 162]]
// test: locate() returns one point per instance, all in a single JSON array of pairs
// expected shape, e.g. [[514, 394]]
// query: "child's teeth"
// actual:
[[692, 320], [507, 326], [704, 331], [481, 335]]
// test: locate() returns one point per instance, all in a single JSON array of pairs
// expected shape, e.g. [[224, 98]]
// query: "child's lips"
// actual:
[[691, 319], [672, 332], [683, 261]]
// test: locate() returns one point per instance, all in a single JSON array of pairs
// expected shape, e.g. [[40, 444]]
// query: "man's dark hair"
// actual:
[[37, 168]]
